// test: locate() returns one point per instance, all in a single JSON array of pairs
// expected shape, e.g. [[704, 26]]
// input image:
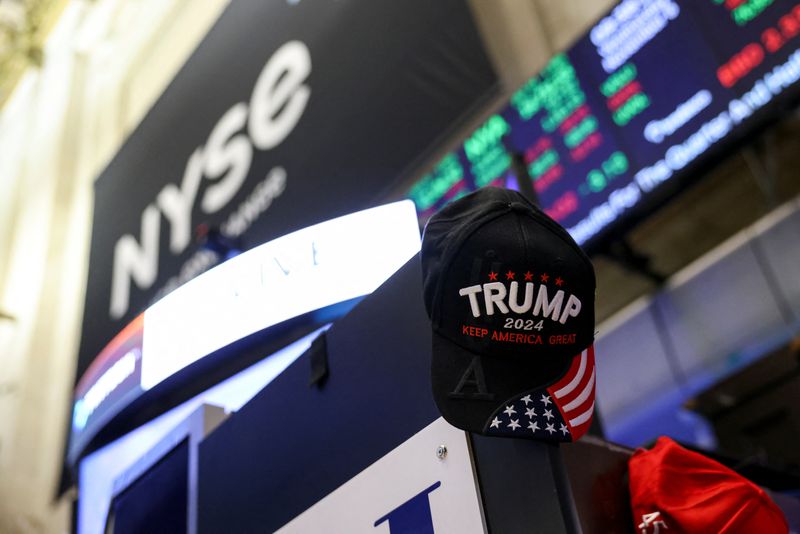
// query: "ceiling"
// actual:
[[733, 194], [24, 25]]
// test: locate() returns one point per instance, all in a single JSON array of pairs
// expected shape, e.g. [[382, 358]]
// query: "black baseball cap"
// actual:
[[510, 296]]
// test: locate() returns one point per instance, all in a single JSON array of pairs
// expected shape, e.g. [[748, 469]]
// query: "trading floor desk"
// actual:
[[359, 400]]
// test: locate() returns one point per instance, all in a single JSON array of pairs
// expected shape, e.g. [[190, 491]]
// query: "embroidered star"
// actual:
[[564, 429], [526, 399], [548, 414], [509, 411], [514, 424], [546, 400], [529, 276], [534, 426], [559, 281], [495, 423], [545, 277], [493, 276], [530, 412], [550, 428], [510, 275]]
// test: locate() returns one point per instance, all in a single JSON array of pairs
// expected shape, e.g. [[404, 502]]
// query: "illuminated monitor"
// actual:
[[99, 470], [651, 90], [310, 275]]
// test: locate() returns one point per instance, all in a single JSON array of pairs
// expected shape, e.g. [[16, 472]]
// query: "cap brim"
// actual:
[[574, 393], [469, 388]]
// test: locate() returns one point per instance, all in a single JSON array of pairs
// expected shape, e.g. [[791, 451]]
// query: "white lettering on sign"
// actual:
[[279, 99], [606, 213], [630, 26], [657, 130]]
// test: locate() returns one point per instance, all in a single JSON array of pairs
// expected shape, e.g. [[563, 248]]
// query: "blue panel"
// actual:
[[293, 444], [726, 307], [632, 367], [781, 247]]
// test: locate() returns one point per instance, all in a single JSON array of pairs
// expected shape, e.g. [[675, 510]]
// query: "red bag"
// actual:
[[676, 491]]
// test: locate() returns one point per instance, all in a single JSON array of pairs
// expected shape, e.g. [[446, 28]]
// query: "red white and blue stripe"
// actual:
[[560, 412]]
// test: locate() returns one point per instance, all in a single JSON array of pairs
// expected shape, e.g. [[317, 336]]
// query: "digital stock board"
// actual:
[[653, 86]]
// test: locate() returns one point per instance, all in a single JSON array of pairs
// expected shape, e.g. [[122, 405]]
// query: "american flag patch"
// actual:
[[561, 412]]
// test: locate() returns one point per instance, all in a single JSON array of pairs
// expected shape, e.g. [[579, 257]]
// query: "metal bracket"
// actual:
[[621, 252], [761, 168]]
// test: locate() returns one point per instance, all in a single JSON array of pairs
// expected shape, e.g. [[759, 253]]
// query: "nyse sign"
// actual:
[[411, 489], [264, 132], [279, 98]]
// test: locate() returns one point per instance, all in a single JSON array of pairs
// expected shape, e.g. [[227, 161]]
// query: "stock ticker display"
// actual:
[[650, 88]]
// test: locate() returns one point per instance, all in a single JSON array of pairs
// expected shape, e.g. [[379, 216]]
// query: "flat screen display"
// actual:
[[566, 139], [646, 92]]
